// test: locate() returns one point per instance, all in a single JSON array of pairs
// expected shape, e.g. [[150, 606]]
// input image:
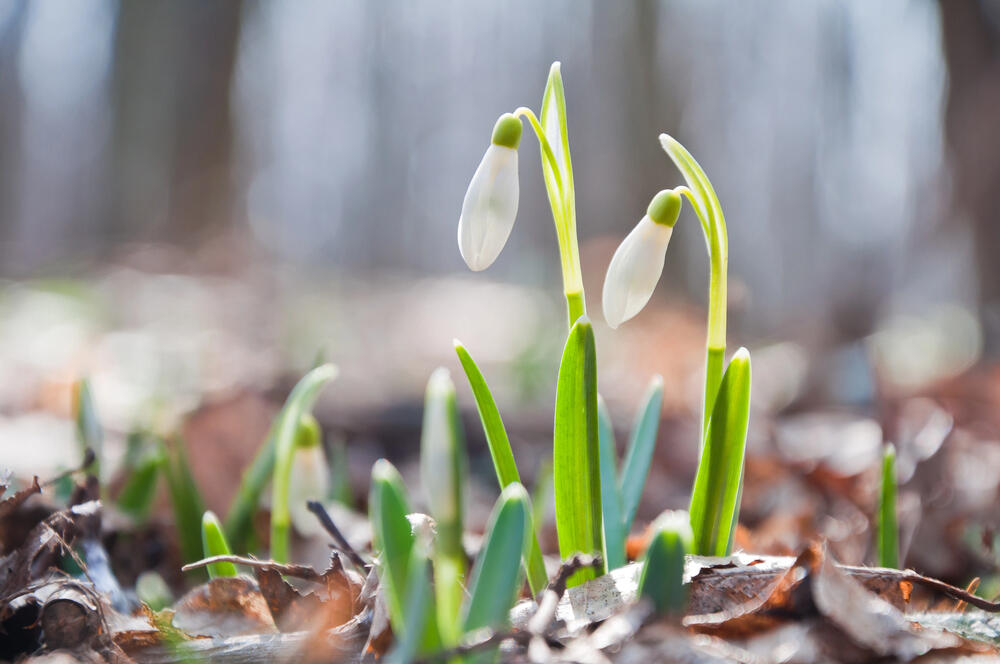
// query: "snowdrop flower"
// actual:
[[638, 262], [491, 202], [310, 479]]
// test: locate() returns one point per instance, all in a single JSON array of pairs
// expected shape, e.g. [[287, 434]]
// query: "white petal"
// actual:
[[310, 481], [489, 208], [634, 271]]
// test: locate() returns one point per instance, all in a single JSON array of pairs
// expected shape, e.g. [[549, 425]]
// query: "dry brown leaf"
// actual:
[[230, 606]]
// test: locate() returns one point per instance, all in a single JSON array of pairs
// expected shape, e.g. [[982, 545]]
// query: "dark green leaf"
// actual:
[[614, 530], [888, 531], [662, 579], [714, 501], [640, 450], [503, 457], [576, 451]]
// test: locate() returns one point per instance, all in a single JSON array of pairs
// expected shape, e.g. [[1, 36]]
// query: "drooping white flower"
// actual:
[[638, 262], [310, 481], [490, 204]]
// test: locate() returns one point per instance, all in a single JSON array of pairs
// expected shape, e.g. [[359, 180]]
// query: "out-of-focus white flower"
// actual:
[[490, 204], [638, 262], [310, 481]]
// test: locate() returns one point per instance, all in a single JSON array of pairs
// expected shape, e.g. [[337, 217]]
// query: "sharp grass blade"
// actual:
[[416, 634], [213, 542], [239, 519], [503, 457], [186, 500], [640, 450], [495, 577], [611, 502], [392, 538], [576, 453], [443, 468], [888, 530], [136, 497], [298, 404], [89, 433], [720, 471], [662, 579]]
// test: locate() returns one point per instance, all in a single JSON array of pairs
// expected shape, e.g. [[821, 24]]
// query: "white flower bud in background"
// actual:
[[490, 204], [638, 262], [310, 477]]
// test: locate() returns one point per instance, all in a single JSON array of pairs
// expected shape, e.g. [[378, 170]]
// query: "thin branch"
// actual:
[[297, 571], [342, 544]]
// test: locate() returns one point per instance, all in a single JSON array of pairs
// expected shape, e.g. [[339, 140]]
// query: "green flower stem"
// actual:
[[562, 199], [702, 197]]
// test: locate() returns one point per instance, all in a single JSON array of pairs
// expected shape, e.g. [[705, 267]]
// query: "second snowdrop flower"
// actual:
[[637, 264], [490, 204]]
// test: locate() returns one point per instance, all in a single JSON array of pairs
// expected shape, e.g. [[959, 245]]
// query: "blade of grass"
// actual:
[[413, 638], [640, 451], [299, 403], [392, 537], [575, 450], [186, 500], [443, 468], [662, 579], [495, 575], [136, 497], [239, 519], [888, 530], [611, 501], [213, 542], [503, 457], [89, 433], [720, 471]]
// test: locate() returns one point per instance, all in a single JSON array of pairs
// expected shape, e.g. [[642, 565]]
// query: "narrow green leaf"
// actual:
[[214, 543], [640, 450], [495, 576], [714, 501], [576, 451], [662, 579], [392, 537], [186, 500], [888, 530], [136, 497], [443, 468], [239, 519], [340, 478], [611, 501], [89, 433], [503, 457], [290, 419], [416, 633]]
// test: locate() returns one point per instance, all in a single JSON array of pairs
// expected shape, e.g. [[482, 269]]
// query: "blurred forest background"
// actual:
[[200, 195]]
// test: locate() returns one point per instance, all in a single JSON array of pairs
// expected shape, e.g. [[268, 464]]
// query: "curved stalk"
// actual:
[[713, 223]]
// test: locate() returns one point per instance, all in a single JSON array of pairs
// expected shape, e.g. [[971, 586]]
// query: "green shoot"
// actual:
[[239, 519], [496, 573], [298, 404], [640, 451], [575, 450], [186, 501], [503, 458], [136, 497], [214, 543], [414, 639], [611, 499], [701, 195], [392, 537], [88, 427], [888, 531], [443, 467], [718, 484], [662, 579]]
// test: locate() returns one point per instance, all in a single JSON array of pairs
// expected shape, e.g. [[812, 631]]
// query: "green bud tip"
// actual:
[[665, 207], [507, 131]]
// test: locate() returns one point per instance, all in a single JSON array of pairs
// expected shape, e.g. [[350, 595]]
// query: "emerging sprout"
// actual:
[[311, 475], [637, 264], [490, 204], [662, 579]]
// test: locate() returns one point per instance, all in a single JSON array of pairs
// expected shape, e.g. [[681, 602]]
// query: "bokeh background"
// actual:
[[199, 198]]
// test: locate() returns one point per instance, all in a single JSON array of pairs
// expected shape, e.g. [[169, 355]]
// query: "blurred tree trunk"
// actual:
[[11, 109], [173, 128], [971, 35]]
